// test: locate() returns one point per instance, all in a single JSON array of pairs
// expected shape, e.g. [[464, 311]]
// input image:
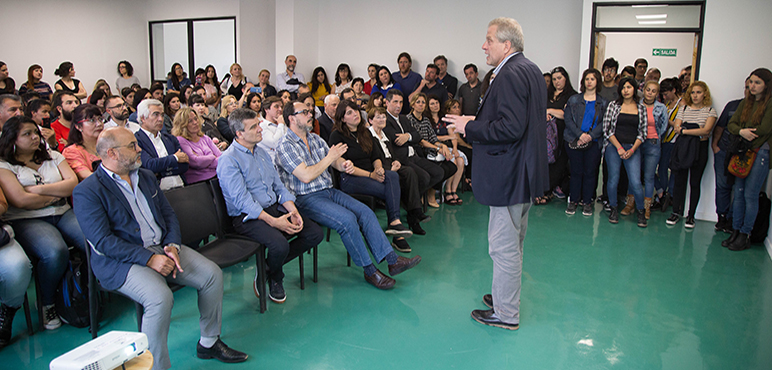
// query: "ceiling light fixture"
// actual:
[[652, 22], [651, 16]]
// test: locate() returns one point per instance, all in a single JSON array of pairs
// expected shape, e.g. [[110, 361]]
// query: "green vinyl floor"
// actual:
[[594, 296]]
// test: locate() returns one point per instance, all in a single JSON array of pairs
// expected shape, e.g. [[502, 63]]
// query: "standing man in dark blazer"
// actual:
[[135, 238], [161, 152], [510, 162]]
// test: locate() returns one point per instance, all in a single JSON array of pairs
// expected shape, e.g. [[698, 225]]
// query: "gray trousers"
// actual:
[[150, 289], [506, 233]]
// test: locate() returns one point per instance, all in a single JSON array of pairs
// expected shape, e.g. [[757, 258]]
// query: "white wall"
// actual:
[[93, 35], [363, 32], [627, 47]]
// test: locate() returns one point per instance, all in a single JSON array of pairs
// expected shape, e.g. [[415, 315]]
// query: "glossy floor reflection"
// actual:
[[595, 296]]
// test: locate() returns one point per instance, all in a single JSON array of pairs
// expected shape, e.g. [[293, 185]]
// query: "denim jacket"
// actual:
[[660, 118], [574, 114]]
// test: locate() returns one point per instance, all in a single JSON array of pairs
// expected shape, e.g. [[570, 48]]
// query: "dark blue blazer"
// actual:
[[162, 167], [391, 130], [325, 127], [108, 223], [509, 137]]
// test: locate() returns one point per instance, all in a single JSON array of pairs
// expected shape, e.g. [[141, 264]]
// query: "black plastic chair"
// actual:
[[226, 230]]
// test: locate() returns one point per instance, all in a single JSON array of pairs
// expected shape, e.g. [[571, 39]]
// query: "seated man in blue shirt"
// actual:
[[303, 159], [135, 238], [261, 207]]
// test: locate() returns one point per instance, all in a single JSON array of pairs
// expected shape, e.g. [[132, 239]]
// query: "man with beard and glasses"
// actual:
[[135, 237], [118, 111], [303, 160], [64, 103]]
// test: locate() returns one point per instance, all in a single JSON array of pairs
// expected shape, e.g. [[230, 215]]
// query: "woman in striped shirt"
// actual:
[[698, 111]]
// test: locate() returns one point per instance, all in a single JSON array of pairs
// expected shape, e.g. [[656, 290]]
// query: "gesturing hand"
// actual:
[[337, 150]]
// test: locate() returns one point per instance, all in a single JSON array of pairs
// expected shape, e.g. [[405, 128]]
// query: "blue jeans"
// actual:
[[723, 185], [633, 167], [388, 190], [651, 152], [15, 274], [337, 210], [746, 193], [46, 240], [666, 181], [584, 172]]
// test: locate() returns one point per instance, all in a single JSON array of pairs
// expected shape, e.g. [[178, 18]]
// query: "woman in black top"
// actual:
[[7, 84], [624, 130], [67, 83], [368, 177], [558, 92]]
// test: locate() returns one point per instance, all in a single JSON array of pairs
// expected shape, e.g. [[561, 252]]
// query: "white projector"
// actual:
[[106, 352]]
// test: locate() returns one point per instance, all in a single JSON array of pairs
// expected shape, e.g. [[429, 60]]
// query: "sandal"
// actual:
[[449, 198], [458, 200]]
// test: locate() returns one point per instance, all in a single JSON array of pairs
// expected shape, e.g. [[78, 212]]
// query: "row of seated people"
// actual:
[[161, 238]]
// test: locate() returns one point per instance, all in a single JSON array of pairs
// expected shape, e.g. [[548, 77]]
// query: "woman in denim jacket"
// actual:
[[583, 115], [656, 117]]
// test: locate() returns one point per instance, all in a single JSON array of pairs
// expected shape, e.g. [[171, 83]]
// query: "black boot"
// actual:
[[613, 217], [642, 218], [731, 238], [6, 319], [721, 224], [742, 242]]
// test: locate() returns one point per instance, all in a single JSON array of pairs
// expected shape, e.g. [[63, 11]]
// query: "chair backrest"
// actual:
[[195, 211], [224, 220]]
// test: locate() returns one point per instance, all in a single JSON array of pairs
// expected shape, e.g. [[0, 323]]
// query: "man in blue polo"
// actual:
[[406, 78], [303, 160]]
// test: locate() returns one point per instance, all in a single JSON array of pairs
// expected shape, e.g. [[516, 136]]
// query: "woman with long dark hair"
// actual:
[[753, 122], [37, 182], [624, 130], [583, 117], [7, 84], [558, 92], [67, 83], [172, 104], [368, 177], [177, 78], [698, 110], [670, 90], [320, 86], [372, 74], [342, 78], [450, 139], [384, 83], [35, 83]]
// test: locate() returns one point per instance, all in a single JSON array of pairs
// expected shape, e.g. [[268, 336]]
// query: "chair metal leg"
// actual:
[[140, 312], [39, 298], [28, 315], [348, 259], [316, 255], [302, 273], [261, 278], [93, 302], [328, 235]]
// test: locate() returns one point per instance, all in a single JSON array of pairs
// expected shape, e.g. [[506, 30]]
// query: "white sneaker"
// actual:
[[51, 319]]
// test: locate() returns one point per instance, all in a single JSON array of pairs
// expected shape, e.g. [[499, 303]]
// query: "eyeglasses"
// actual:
[[124, 105], [303, 112], [132, 145], [94, 120]]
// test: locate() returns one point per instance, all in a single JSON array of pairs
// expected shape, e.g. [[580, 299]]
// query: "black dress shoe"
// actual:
[[403, 264], [417, 229], [401, 245], [380, 281], [220, 351], [488, 300], [488, 317], [398, 230], [424, 218]]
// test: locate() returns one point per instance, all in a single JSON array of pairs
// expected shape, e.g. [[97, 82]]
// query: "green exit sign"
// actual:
[[663, 52]]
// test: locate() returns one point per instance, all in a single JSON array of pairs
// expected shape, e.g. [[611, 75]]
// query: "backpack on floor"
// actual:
[[72, 295], [761, 226]]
